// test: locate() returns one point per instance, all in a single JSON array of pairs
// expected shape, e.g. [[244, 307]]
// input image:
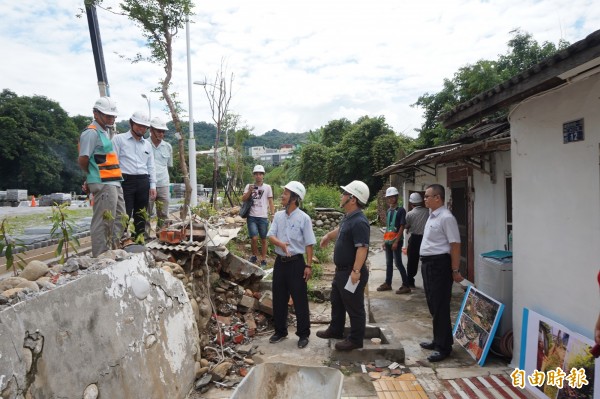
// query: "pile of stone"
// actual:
[[37, 277], [55, 199], [327, 219], [14, 195]]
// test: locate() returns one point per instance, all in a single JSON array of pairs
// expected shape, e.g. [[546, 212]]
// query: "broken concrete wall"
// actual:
[[126, 332]]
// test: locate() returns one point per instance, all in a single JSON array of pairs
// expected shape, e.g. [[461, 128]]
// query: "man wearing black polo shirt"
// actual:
[[440, 257], [351, 274]]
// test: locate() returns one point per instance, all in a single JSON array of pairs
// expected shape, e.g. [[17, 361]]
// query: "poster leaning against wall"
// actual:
[[477, 322], [556, 362]]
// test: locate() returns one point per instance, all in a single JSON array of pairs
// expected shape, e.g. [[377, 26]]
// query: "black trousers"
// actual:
[[288, 279], [136, 191], [412, 263], [343, 301], [437, 281]]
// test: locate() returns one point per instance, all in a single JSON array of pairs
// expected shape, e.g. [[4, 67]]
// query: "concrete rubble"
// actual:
[[90, 327]]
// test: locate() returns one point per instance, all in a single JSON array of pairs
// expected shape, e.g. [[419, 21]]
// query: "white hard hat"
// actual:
[[107, 106], [158, 123], [140, 118], [258, 169], [358, 189], [415, 198], [391, 191], [297, 188]]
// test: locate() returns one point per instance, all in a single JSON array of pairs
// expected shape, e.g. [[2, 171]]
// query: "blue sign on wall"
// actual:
[[573, 131]]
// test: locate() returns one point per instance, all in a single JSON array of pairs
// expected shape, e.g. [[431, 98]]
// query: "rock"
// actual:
[[10, 294], [319, 223], [91, 392], [229, 220], [45, 284], [10, 282], [3, 300], [204, 362], [220, 371], [249, 361], [34, 270], [205, 380], [71, 265], [199, 370], [167, 269], [140, 287], [29, 285]]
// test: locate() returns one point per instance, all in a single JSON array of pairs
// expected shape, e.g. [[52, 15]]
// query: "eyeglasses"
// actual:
[[344, 193], [431, 196]]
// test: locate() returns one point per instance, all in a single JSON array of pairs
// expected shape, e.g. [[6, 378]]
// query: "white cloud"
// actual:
[[296, 65]]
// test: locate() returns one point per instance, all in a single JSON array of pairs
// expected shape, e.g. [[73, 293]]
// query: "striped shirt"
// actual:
[[416, 219]]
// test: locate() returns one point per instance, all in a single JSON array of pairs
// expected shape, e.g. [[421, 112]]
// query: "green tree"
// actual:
[[313, 161], [38, 145], [353, 158], [334, 131], [470, 80]]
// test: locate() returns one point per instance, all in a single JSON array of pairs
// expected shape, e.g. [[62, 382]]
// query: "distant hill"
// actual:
[[205, 136]]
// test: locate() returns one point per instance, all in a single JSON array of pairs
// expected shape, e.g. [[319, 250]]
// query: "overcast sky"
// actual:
[[296, 65]]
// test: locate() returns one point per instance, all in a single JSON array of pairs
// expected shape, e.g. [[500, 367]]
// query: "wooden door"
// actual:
[[459, 202]]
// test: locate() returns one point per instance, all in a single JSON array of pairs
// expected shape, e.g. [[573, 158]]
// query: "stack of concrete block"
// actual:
[[15, 195]]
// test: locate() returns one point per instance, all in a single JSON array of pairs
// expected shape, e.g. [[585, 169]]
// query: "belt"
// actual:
[[434, 257], [135, 177], [292, 258], [417, 235]]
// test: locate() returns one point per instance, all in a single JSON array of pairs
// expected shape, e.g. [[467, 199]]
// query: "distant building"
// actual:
[[271, 156], [221, 153]]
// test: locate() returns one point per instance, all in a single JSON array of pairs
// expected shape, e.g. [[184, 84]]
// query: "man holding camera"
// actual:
[[258, 218]]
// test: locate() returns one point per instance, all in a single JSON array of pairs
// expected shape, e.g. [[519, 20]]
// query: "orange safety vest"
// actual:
[[104, 165]]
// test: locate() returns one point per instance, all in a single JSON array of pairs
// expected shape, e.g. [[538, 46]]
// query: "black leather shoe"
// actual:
[[326, 334], [438, 356], [346, 345], [277, 338], [302, 342], [427, 345]]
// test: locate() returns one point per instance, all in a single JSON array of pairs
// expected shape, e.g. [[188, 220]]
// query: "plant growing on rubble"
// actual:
[[9, 245], [108, 218], [205, 210], [63, 227]]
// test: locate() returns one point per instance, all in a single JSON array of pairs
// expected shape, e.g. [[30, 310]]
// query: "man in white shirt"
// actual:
[[137, 164], [440, 257], [163, 159]]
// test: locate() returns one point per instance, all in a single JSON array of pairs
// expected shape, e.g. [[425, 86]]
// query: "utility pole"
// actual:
[[92, 18]]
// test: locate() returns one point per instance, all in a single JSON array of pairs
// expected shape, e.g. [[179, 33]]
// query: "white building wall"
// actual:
[[489, 208], [556, 209]]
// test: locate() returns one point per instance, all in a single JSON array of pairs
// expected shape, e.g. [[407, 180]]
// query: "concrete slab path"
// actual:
[[408, 317]]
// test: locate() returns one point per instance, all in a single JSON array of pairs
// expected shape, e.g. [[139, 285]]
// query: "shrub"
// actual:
[[323, 196]]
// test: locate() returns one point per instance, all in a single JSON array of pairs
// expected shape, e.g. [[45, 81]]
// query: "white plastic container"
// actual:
[[287, 381]]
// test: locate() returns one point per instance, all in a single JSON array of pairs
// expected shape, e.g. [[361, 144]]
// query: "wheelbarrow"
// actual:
[[287, 381]]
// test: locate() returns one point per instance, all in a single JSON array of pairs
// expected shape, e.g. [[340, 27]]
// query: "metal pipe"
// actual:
[[192, 139]]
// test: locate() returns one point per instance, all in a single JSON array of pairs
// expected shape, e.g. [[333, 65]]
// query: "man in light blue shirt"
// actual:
[[163, 159], [137, 164], [292, 234]]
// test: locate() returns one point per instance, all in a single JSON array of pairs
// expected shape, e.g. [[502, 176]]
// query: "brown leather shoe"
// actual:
[[346, 345], [326, 334], [403, 290], [384, 287]]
